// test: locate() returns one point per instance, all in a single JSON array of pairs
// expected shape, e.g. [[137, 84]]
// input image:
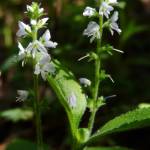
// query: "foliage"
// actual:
[[64, 84], [131, 68], [134, 119], [17, 114], [21, 144], [9, 62]]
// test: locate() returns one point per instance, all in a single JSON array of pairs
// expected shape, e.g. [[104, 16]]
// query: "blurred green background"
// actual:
[[131, 70]]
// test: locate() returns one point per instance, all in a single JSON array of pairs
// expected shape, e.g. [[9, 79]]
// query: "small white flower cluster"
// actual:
[[22, 95], [105, 9], [85, 82], [37, 48]]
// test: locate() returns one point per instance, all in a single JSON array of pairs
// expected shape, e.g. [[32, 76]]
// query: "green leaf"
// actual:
[[107, 148], [64, 84], [21, 144], [130, 120], [9, 62], [17, 114], [144, 105]]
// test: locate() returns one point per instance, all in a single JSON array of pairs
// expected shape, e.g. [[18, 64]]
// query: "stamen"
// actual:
[[109, 76], [83, 57], [112, 96], [117, 50]]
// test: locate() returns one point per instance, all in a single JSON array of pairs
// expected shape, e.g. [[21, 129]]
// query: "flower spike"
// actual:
[[37, 49]]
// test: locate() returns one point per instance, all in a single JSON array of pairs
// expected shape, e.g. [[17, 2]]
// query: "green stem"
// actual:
[[38, 115], [37, 104], [97, 78], [91, 121]]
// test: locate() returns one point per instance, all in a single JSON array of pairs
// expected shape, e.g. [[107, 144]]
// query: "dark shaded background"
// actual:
[[130, 71]]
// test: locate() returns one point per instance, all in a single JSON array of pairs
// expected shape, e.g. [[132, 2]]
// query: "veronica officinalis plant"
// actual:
[[70, 92], [36, 52]]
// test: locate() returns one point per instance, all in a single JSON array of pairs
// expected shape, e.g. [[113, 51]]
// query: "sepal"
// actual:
[[100, 102]]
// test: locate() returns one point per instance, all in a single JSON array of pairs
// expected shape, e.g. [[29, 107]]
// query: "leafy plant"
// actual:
[[65, 86], [74, 96], [134, 119]]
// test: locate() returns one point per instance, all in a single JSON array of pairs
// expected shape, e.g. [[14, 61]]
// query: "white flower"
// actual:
[[22, 53], [93, 29], [33, 22], [44, 66], [34, 47], [42, 22], [105, 9], [30, 9], [22, 95], [72, 100], [113, 23], [45, 39], [23, 29], [89, 11], [41, 10], [85, 82], [112, 2]]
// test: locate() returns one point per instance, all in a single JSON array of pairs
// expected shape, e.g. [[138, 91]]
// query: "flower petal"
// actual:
[[51, 44], [89, 11], [45, 59], [85, 82], [37, 69], [46, 36], [22, 95], [41, 47]]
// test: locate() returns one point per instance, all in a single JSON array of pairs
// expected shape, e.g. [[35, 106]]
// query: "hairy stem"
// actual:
[[38, 115], [97, 78]]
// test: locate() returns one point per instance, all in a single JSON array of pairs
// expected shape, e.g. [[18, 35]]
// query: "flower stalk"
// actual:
[[37, 112], [97, 77], [107, 19]]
